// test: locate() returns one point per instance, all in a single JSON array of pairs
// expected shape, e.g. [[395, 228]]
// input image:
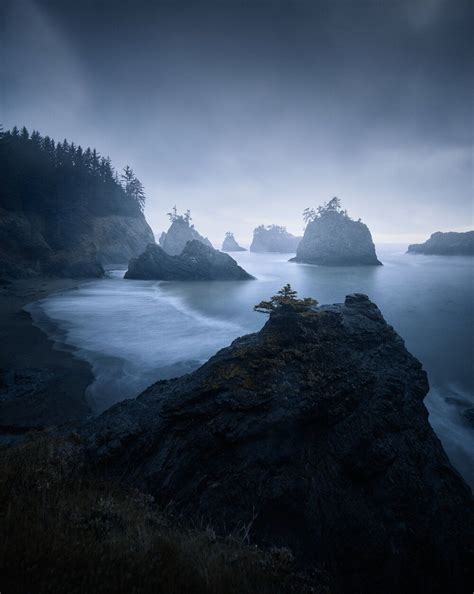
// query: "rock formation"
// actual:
[[310, 434], [230, 245], [180, 232], [196, 262], [445, 244], [274, 238], [332, 238]]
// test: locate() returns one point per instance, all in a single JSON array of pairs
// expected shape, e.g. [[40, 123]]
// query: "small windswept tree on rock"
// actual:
[[175, 217], [286, 297], [332, 206]]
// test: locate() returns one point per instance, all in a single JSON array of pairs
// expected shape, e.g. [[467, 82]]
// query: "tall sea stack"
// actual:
[[332, 238], [180, 232]]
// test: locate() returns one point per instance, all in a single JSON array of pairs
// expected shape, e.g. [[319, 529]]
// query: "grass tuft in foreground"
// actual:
[[63, 533]]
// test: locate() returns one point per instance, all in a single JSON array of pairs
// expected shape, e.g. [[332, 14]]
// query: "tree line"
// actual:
[[41, 175]]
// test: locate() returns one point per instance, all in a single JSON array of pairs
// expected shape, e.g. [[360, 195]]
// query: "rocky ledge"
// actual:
[[309, 434], [196, 262], [445, 244]]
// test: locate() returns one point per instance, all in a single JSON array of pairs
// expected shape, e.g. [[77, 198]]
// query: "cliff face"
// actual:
[[178, 235], [77, 246], [446, 244], [274, 238], [196, 262], [312, 434], [334, 239], [230, 245]]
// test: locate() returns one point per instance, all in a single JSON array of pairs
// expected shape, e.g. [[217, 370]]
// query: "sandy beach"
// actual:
[[40, 385]]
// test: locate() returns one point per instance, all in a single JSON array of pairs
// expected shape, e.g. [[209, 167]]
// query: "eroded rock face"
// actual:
[[230, 245], [334, 239], [274, 238], [312, 434], [196, 262], [178, 235], [446, 244], [30, 245]]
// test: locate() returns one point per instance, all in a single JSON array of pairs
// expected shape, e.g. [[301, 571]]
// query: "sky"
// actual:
[[247, 112]]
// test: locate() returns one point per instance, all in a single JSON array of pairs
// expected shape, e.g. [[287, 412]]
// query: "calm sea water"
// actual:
[[135, 332]]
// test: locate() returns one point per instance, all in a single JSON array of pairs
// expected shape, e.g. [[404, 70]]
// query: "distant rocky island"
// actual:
[[332, 238], [445, 244], [230, 245], [312, 434], [64, 210], [180, 232], [197, 261], [273, 238]]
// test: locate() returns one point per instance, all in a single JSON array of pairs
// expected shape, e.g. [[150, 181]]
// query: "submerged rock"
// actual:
[[445, 244], [273, 238], [196, 262], [178, 235], [230, 245], [310, 434], [332, 238]]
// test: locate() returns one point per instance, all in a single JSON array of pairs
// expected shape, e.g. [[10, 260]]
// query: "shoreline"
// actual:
[[40, 385]]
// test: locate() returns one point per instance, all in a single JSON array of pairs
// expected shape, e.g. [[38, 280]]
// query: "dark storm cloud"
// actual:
[[250, 111]]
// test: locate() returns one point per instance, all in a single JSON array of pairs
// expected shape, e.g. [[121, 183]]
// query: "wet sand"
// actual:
[[40, 385]]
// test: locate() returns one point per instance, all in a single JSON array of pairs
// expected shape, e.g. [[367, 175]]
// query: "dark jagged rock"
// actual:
[[230, 245], [196, 262], [312, 434], [274, 238], [178, 235], [334, 239], [445, 244]]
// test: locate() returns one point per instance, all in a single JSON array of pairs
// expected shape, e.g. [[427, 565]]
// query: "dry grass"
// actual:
[[62, 533]]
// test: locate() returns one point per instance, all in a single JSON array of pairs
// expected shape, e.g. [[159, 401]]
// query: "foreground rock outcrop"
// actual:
[[310, 434], [273, 238], [445, 244], [180, 232], [230, 245], [196, 262], [332, 238]]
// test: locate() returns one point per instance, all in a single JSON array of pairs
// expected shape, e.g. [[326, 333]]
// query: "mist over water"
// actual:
[[136, 332]]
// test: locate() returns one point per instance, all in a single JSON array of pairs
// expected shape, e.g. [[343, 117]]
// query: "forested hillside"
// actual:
[[64, 209]]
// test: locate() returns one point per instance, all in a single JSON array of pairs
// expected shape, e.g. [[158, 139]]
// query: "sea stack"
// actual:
[[274, 238], [230, 245], [332, 238], [197, 262], [445, 244], [180, 232], [313, 433]]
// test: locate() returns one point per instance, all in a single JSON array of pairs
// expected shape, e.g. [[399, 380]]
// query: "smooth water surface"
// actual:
[[135, 332]]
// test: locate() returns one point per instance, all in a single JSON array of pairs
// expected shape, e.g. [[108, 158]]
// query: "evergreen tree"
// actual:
[[287, 297]]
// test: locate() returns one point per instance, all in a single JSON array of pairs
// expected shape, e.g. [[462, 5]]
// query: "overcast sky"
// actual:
[[248, 112]]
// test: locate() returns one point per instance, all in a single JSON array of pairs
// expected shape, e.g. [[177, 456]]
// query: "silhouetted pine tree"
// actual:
[[62, 180]]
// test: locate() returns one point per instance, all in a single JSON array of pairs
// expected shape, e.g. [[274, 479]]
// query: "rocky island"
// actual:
[[64, 211], [332, 238], [230, 245], [273, 238], [310, 434], [180, 232], [445, 244], [197, 261]]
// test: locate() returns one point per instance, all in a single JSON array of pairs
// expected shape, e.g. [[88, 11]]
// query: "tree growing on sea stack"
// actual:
[[287, 297]]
